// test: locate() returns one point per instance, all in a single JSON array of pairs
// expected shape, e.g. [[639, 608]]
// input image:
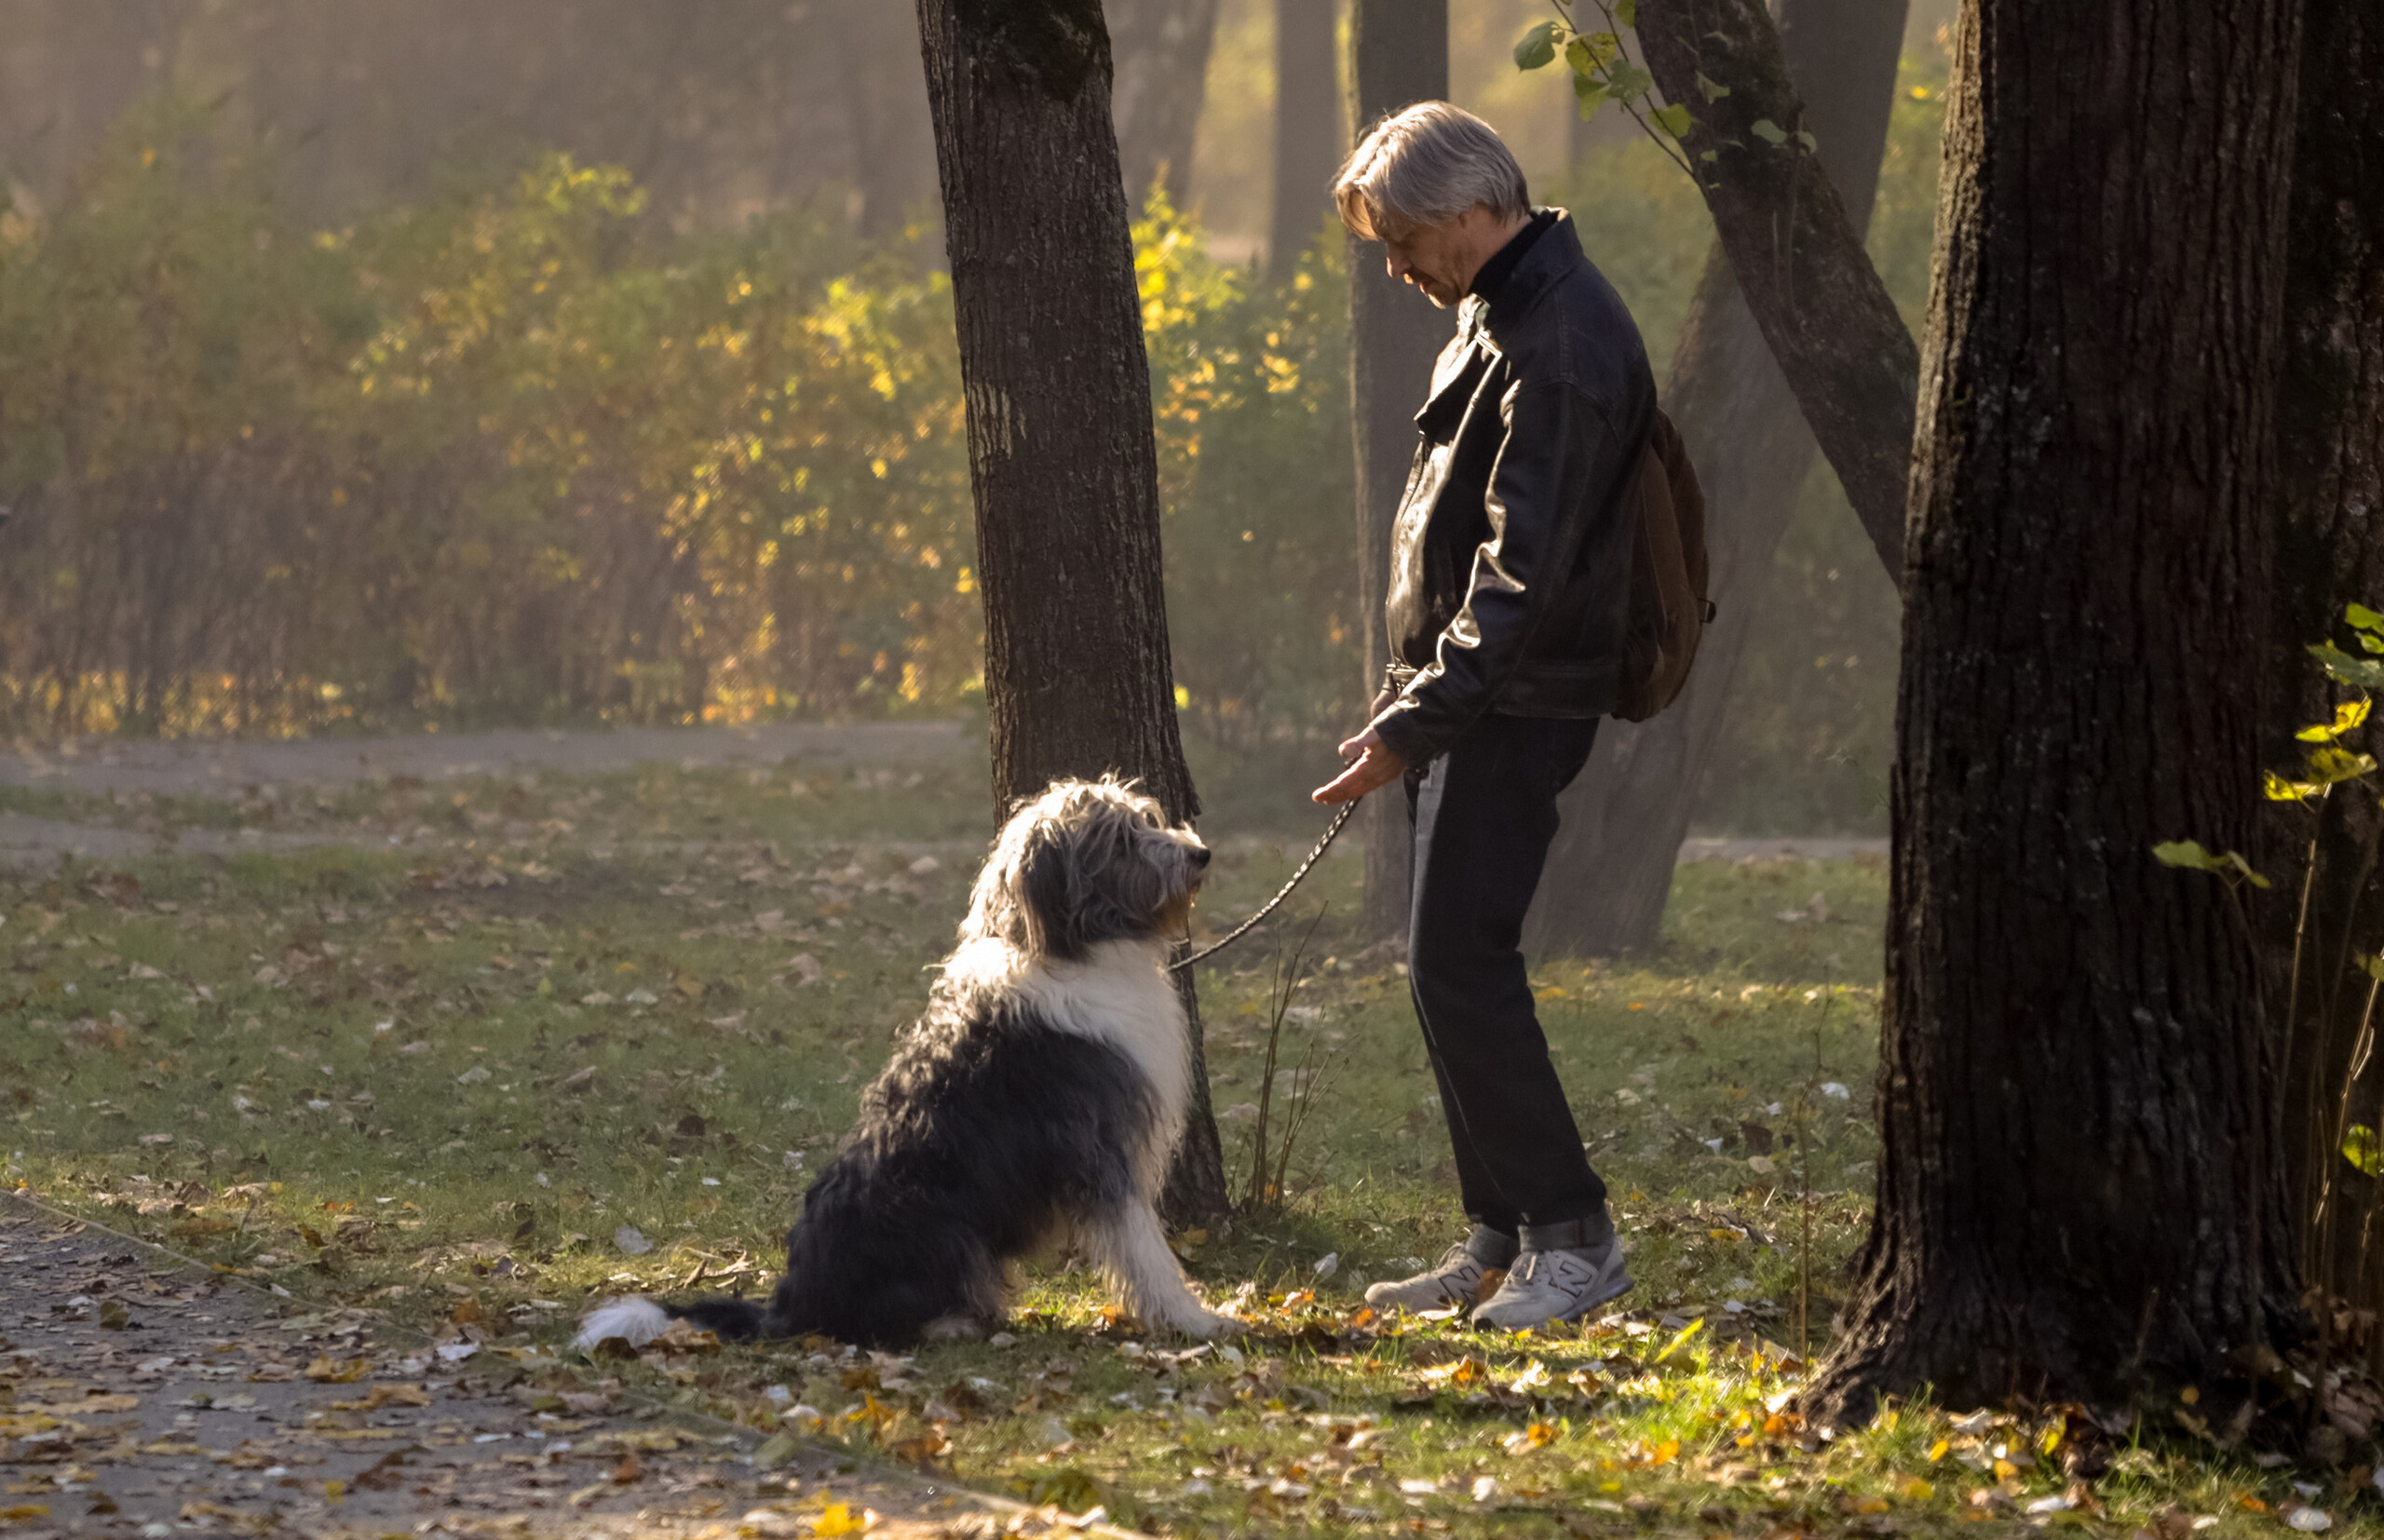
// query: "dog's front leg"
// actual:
[[1130, 1246]]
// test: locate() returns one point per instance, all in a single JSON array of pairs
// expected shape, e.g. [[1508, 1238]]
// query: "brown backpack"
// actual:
[[1669, 610]]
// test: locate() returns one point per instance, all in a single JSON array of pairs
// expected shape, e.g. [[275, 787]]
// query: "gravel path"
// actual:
[[139, 1396]]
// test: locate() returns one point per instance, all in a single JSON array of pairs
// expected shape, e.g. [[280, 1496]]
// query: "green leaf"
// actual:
[[1627, 12], [1537, 46], [2347, 716], [1591, 94], [2360, 1149], [2340, 664], [1713, 89], [2363, 617], [1708, 154], [1674, 119], [2189, 854], [1627, 82], [1812, 146], [1770, 132]]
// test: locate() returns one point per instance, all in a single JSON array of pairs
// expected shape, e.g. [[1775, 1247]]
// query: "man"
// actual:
[[1509, 579]]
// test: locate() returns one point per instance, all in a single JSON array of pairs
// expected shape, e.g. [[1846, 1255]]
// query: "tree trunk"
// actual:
[[1077, 680], [1162, 51], [1610, 871], [2330, 551], [1399, 56], [1307, 130], [886, 104], [2077, 1193], [1797, 256]]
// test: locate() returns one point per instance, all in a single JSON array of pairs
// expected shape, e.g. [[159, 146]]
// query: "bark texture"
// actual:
[[1308, 136], [2330, 551], [1399, 56], [1162, 71], [1798, 255], [1065, 476], [1610, 871], [2077, 1193]]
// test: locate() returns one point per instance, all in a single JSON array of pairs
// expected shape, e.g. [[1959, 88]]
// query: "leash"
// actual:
[[1237, 932]]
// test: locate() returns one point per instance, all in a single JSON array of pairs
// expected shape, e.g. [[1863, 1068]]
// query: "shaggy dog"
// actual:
[[1036, 1102]]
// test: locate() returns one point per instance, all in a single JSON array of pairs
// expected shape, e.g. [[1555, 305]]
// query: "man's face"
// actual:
[[1441, 259]]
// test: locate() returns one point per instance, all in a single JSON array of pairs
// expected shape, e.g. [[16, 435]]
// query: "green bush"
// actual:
[[522, 454]]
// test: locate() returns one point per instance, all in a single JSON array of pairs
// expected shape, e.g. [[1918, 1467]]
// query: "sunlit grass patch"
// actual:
[[478, 1077]]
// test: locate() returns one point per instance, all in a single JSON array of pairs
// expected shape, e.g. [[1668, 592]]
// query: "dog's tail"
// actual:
[[637, 1320], [730, 1319]]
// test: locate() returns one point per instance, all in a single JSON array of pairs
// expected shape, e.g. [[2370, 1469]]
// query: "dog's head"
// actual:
[[1083, 863]]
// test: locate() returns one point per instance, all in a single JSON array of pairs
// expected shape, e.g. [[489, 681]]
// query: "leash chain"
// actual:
[[1276, 902]]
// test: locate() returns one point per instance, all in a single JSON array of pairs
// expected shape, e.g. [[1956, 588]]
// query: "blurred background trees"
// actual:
[[366, 364]]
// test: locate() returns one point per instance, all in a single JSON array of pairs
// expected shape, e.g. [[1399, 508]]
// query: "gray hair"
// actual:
[[1085, 862], [1426, 166]]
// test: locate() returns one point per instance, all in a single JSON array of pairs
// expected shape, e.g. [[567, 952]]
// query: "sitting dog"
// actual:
[[1036, 1102]]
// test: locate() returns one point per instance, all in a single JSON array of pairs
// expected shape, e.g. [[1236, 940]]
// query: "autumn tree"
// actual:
[[2330, 553], [1161, 74], [2077, 1187], [1077, 678], [1399, 56], [1308, 136], [1610, 871]]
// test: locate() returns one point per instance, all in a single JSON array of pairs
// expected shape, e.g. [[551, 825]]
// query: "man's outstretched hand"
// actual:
[[1371, 765]]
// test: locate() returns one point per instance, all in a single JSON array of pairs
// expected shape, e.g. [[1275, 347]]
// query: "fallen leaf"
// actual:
[[631, 1240], [1536, 1436], [327, 1370], [835, 1520]]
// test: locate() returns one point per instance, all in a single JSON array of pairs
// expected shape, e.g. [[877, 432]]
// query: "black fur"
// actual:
[[973, 1147]]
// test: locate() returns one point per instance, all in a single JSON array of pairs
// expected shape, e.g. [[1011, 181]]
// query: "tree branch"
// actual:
[[1816, 298]]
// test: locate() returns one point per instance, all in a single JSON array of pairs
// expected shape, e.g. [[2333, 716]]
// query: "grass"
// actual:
[[577, 1035]]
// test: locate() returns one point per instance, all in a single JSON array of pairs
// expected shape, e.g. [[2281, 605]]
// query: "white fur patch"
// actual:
[[1118, 994], [637, 1318]]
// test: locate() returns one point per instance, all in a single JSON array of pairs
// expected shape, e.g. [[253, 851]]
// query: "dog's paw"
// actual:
[[953, 1327], [634, 1320], [1206, 1323]]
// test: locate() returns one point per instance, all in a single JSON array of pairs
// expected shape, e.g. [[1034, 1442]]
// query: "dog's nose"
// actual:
[[1200, 856]]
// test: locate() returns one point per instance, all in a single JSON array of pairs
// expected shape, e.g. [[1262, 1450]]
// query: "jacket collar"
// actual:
[[1555, 253]]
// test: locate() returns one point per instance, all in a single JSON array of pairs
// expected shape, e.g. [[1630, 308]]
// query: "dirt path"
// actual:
[[203, 766], [211, 767], [138, 1397]]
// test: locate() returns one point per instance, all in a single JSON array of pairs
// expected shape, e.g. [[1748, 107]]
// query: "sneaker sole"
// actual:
[[1624, 1286]]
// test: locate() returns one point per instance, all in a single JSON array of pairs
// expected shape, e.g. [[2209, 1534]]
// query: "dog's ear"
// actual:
[[1046, 902]]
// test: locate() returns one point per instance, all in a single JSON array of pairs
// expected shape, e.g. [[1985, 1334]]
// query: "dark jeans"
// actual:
[[1484, 813]]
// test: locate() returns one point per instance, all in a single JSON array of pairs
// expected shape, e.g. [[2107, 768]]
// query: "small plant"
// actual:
[[1269, 1167]]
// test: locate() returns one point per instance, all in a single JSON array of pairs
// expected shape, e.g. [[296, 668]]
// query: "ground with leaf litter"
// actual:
[[465, 1051], [139, 1396]]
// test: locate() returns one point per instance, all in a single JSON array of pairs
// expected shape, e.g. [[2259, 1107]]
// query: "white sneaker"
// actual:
[[1554, 1286], [1456, 1279]]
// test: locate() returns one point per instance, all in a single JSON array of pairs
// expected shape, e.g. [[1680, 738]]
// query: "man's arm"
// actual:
[[1557, 471]]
